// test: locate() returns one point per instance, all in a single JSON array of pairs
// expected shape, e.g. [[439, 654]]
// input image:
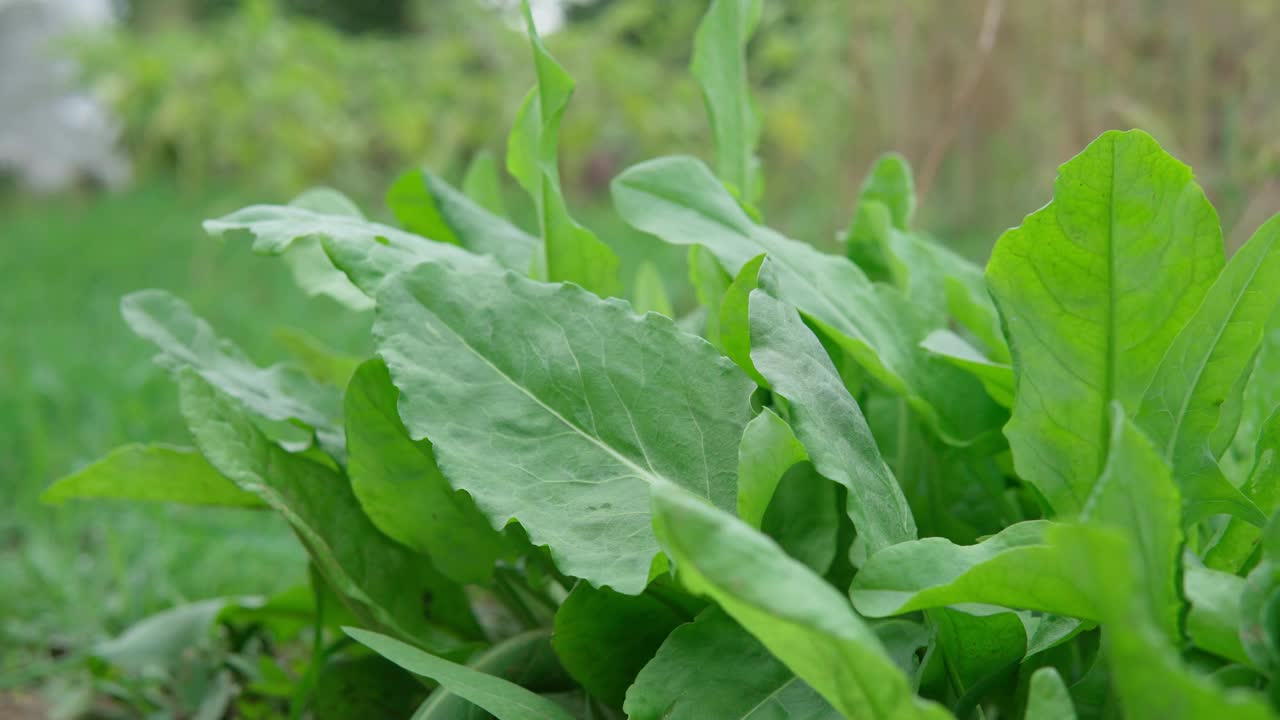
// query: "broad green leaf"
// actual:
[[803, 517], [428, 206], [969, 303], [526, 659], [316, 359], [504, 699], [768, 450], [399, 590], [1145, 669], [720, 66], [801, 619], [363, 251], [712, 668], [1239, 539], [552, 406], [735, 318], [678, 200], [401, 489], [709, 282], [977, 646], [1213, 622], [828, 421], [482, 184], [1047, 698], [650, 292], [153, 473], [1202, 370], [887, 200], [370, 260], [604, 638], [1093, 289], [571, 252], [1136, 494], [278, 393], [1017, 568], [306, 259], [1053, 630], [997, 378]]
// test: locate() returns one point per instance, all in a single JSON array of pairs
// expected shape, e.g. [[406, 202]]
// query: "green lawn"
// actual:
[[74, 382]]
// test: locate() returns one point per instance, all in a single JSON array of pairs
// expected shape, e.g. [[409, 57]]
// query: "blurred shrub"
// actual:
[[284, 102], [993, 89]]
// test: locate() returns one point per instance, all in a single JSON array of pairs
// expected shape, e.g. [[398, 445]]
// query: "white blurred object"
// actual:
[[51, 134]]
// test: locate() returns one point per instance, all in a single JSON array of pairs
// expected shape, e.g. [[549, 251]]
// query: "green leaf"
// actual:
[[969, 303], [1239, 539], [552, 406], [1146, 671], [956, 493], [1093, 289], [428, 206], [711, 668], [803, 517], [604, 638], [1213, 622], [370, 259], [1017, 568], [321, 362], [768, 450], [505, 700], [278, 393], [1047, 698], [398, 590], [828, 421], [158, 642], [1020, 568], [362, 687], [306, 259], [650, 292], [403, 492], [152, 473], [801, 619], [1260, 604], [678, 200], [720, 66], [1202, 370], [526, 659], [482, 184], [976, 646], [1136, 494], [997, 378], [570, 251], [735, 318], [363, 251], [709, 282], [888, 191]]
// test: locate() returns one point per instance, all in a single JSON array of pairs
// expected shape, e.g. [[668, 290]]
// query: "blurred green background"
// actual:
[[220, 103]]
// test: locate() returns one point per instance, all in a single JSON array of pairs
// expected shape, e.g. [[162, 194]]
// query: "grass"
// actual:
[[74, 382]]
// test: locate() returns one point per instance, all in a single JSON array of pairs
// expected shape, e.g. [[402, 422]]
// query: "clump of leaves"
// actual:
[[882, 485]]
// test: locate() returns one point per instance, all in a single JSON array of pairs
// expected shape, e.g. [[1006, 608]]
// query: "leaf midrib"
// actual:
[[1112, 337]]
